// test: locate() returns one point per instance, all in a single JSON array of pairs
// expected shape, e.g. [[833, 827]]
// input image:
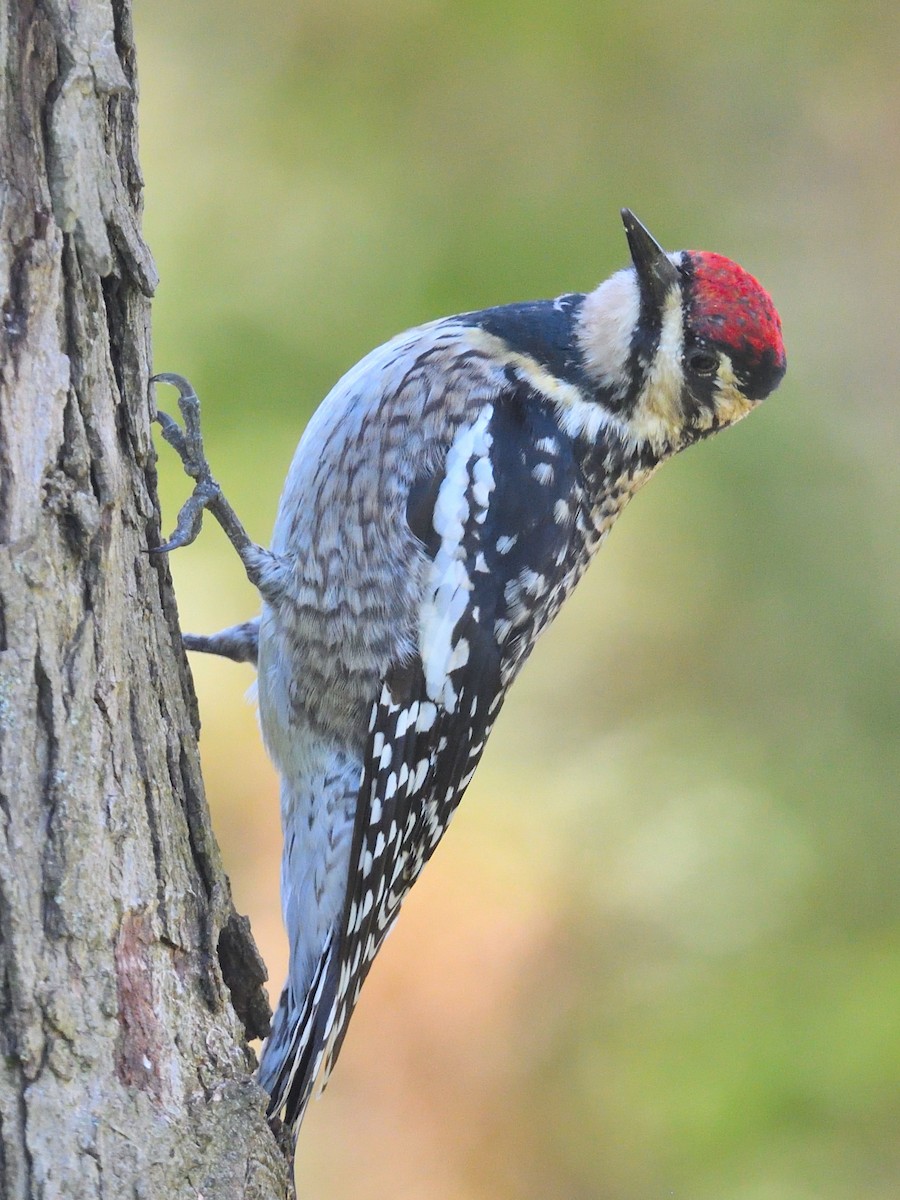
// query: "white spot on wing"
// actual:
[[407, 719], [419, 778], [483, 480], [460, 655], [427, 716], [533, 583]]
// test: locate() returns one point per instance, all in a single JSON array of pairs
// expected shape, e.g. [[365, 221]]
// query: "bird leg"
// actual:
[[240, 643], [265, 570]]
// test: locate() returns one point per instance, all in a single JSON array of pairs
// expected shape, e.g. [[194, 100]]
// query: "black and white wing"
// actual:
[[499, 536]]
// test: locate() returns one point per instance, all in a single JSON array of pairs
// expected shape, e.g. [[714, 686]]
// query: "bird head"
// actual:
[[679, 345]]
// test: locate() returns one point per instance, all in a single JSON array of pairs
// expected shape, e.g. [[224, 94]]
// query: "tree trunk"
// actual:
[[125, 1069]]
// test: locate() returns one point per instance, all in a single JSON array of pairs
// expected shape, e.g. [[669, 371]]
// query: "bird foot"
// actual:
[[188, 445], [265, 570], [239, 643]]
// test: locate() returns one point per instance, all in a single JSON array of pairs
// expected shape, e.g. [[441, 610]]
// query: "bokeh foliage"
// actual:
[[659, 953]]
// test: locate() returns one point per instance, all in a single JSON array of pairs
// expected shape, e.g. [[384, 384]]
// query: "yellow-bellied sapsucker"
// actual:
[[444, 500]]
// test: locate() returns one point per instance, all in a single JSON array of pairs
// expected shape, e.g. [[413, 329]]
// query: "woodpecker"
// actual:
[[442, 503]]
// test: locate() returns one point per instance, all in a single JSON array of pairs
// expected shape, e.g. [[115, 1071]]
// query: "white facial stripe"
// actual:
[[609, 316], [606, 325], [658, 416]]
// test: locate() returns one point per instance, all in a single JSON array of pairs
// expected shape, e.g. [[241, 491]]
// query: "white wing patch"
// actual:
[[464, 493]]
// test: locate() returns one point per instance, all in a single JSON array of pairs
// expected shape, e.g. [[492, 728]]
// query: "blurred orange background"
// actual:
[[658, 954]]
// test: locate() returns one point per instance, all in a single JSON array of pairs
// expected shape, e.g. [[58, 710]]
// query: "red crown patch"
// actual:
[[728, 305]]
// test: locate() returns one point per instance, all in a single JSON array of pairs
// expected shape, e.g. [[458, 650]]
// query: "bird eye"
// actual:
[[702, 362]]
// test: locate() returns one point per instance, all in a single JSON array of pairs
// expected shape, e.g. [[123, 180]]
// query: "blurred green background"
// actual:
[[659, 953]]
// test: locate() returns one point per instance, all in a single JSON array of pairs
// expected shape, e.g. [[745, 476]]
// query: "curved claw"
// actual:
[[188, 443], [172, 433], [188, 400], [184, 385]]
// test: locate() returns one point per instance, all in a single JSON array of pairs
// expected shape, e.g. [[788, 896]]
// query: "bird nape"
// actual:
[[441, 505]]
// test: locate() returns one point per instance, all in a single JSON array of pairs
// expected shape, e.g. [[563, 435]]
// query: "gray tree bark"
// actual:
[[124, 1069]]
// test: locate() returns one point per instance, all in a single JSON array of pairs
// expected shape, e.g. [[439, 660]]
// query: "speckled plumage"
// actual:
[[427, 625], [443, 502]]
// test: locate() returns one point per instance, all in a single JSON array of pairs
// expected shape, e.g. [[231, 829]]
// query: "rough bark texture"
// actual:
[[124, 1068]]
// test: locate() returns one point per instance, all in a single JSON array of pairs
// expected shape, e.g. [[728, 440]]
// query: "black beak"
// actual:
[[656, 272]]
